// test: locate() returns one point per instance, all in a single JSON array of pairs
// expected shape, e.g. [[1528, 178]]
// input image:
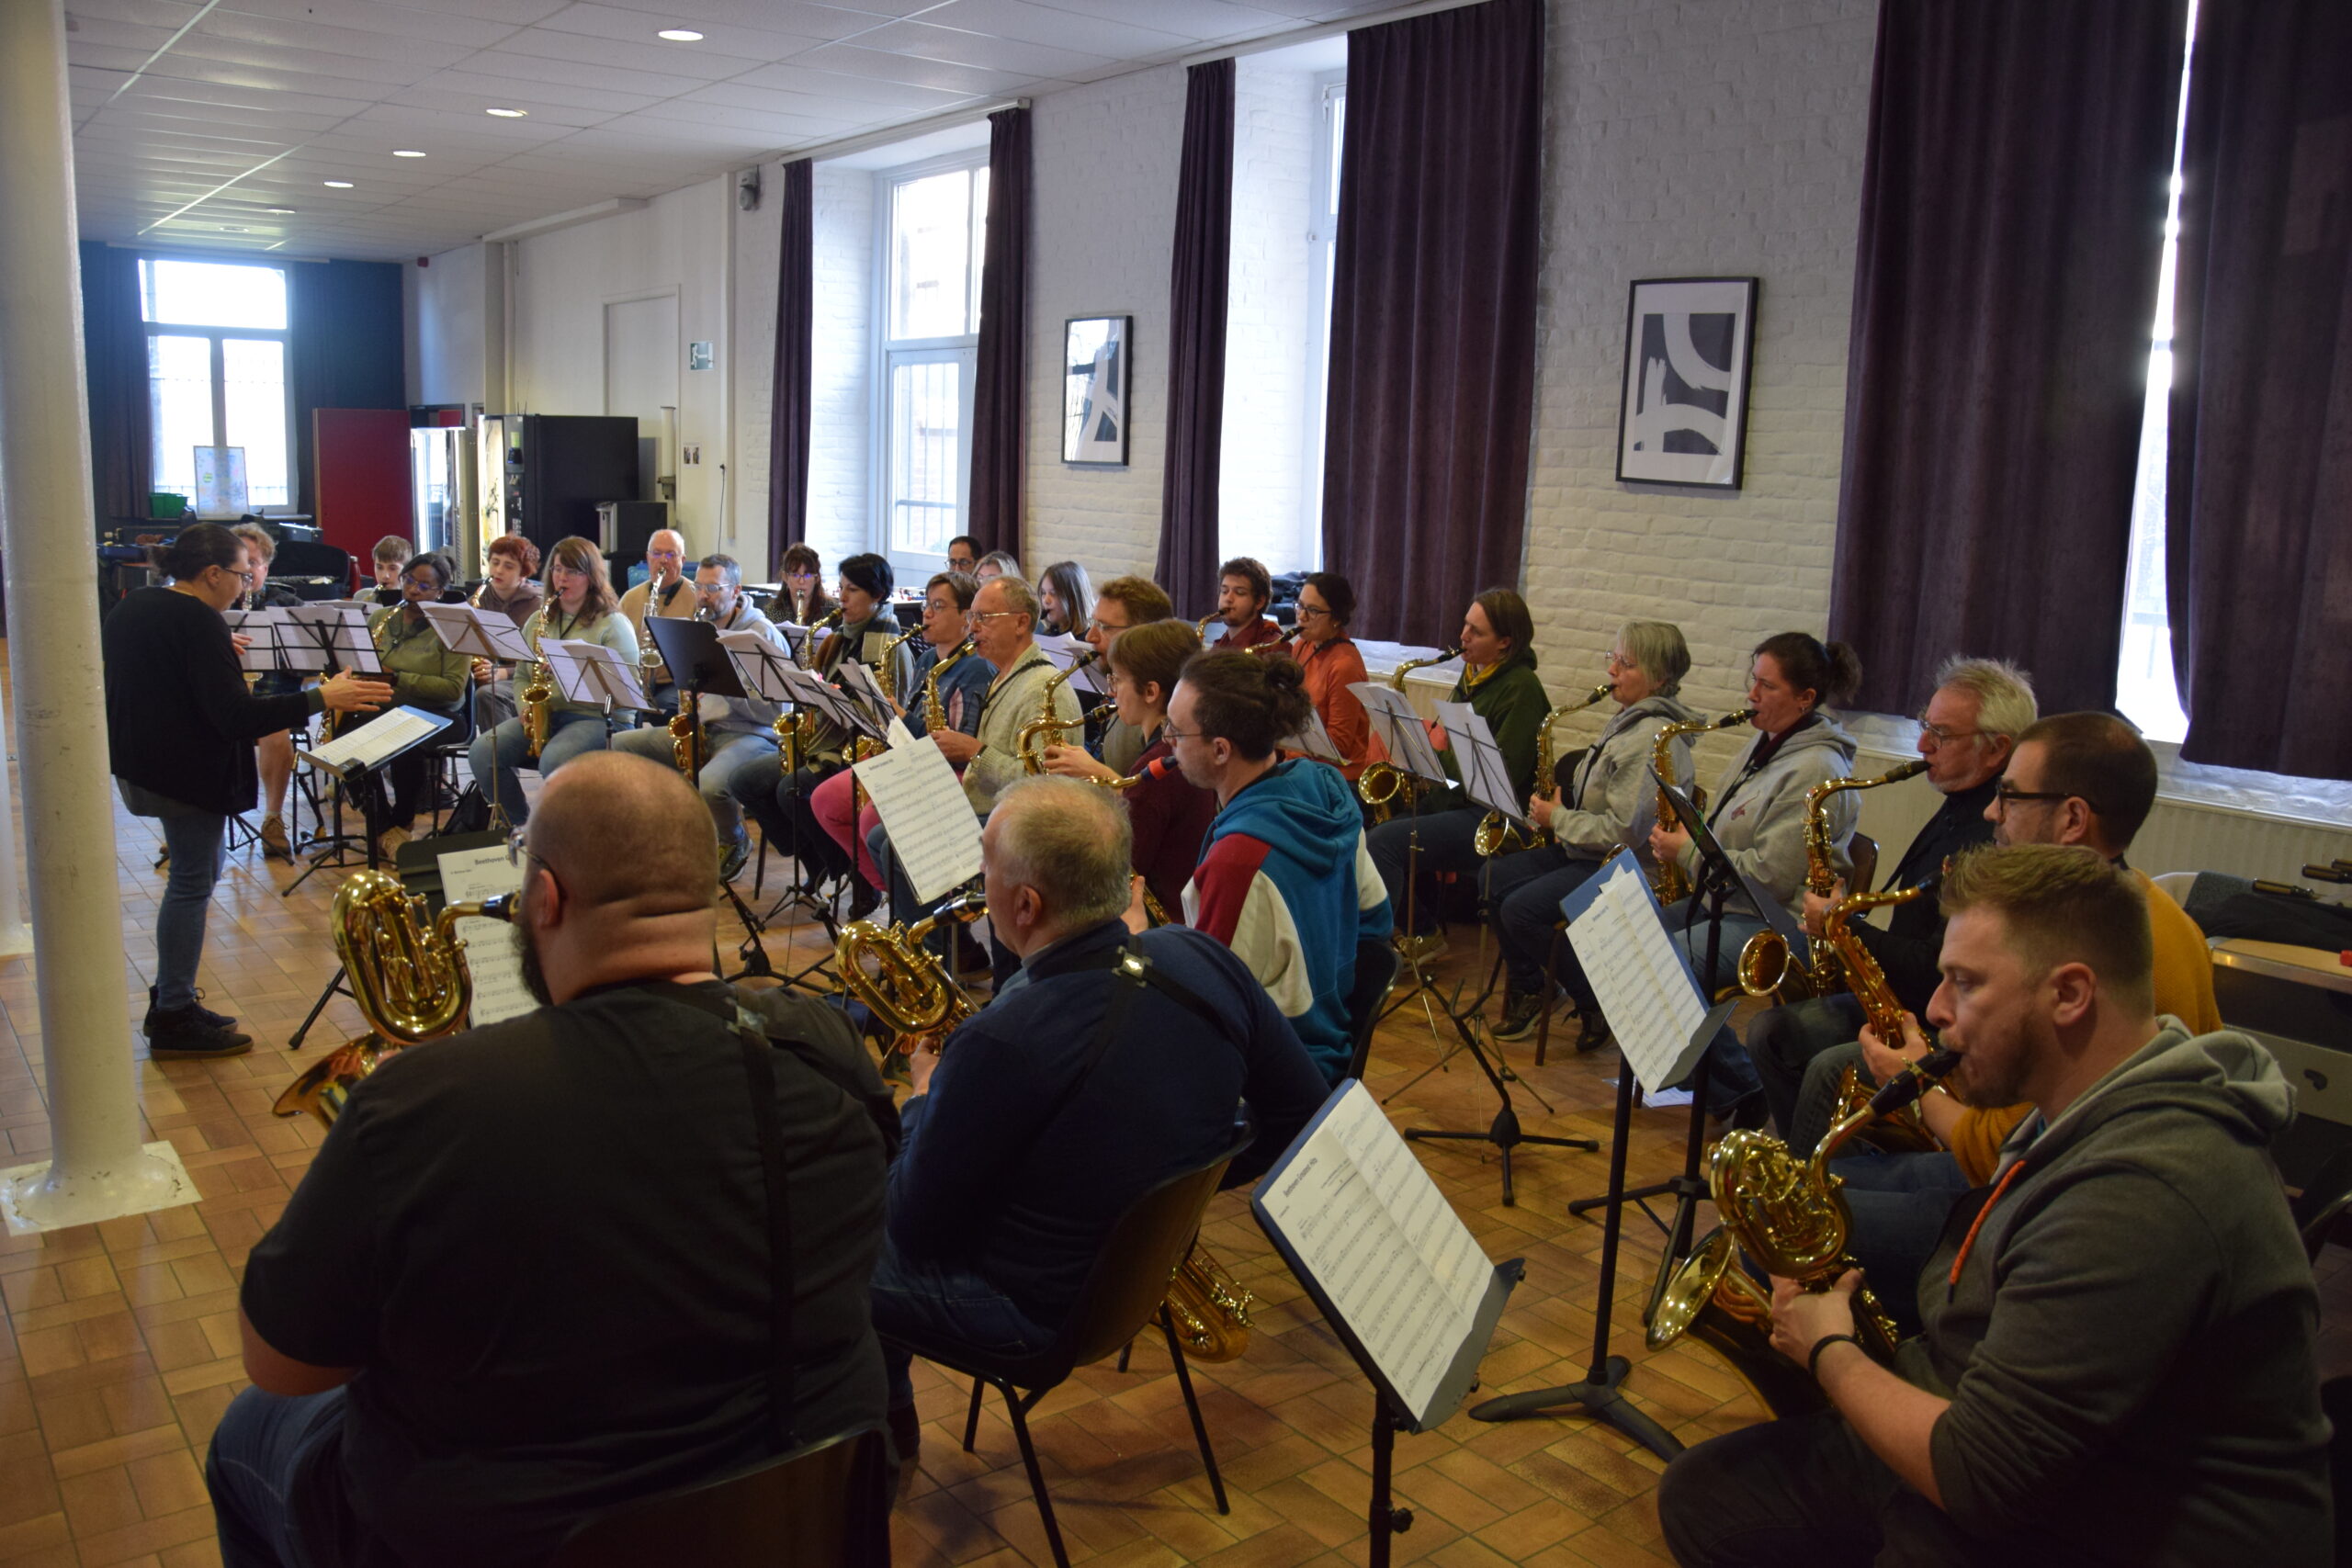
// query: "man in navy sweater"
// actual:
[[1044, 1117]]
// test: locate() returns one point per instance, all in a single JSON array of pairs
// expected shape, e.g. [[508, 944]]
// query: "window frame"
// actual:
[[888, 353], [219, 360]]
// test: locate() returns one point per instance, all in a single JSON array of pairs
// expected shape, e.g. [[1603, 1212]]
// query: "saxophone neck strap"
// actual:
[[1131, 971]]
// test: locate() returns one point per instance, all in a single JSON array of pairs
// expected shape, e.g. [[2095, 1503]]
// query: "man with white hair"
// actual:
[[666, 591], [1079, 1087]]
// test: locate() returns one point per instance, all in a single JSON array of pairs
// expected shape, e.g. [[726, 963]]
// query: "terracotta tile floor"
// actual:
[[119, 1341]]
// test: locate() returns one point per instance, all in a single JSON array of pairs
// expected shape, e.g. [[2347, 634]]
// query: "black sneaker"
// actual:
[[182, 1036], [1522, 1011], [864, 900], [201, 1013], [739, 850]]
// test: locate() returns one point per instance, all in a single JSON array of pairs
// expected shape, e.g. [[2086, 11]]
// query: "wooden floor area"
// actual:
[[118, 1342]]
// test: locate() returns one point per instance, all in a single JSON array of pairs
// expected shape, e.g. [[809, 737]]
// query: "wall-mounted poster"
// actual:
[[1688, 346], [1096, 371]]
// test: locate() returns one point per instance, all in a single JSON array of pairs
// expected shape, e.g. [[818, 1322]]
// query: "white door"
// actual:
[[641, 374]]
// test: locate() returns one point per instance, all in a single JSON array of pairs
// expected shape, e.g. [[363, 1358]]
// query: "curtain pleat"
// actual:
[[1199, 274], [999, 391], [114, 354], [789, 413], [347, 352]]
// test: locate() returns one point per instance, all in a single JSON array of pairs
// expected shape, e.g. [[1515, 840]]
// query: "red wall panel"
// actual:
[[363, 477]]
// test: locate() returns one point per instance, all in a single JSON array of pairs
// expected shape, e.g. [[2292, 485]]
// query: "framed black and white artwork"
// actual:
[[1689, 342], [1097, 368]]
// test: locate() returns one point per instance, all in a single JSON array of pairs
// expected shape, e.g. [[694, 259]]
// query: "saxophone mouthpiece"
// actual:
[[1912, 1082]]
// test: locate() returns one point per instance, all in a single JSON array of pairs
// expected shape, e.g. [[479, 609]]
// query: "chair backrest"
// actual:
[[1131, 1273], [1376, 965], [824, 1505], [301, 558], [1863, 851], [2322, 1201]]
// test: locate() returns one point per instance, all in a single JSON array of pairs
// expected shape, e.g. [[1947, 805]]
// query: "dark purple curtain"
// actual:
[[998, 380], [348, 350], [1196, 295], [114, 357], [2013, 208], [1431, 394], [795, 337], [2260, 494]]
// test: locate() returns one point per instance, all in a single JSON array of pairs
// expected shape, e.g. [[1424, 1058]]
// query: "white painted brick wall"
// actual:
[[841, 368], [1277, 113], [1106, 156]]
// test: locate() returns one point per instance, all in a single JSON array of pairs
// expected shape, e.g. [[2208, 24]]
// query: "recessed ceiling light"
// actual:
[[279, 212], [406, 152], [507, 114], [337, 184], [680, 35], [234, 228]]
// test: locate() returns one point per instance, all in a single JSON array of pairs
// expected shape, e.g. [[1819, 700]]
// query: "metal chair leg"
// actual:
[[1193, 1408], [1036, 1477], [972, 1418]]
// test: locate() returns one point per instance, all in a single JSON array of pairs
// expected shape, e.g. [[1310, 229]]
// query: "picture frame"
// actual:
[[1690, 359], [1098, 374]]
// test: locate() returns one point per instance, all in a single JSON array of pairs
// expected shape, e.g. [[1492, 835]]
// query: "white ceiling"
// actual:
[[192, 120]]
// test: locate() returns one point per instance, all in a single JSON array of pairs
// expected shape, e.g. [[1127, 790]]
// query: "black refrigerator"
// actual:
[[553, 471]]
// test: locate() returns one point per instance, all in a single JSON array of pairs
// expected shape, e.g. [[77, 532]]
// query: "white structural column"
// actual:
[[97, 1168], [16, 937]]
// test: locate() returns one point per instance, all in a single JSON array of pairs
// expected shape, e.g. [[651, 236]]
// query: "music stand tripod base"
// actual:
[[1503, 1132]]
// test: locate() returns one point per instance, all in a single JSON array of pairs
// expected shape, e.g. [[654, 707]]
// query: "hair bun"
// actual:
[[1283, 671]]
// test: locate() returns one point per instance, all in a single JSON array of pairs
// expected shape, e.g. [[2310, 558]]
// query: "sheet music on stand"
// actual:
[[858, 683], [274, 648], [1485, 779], [1060, 648], [759, 665], [1769, 909], [338, 630], [494, 948], [795, 641], [382, 738], [1314, 740], [1395, 1272], [831, 701], [592, 673], [923, 807], [1401, 731], [481, 633], [1638, 972]]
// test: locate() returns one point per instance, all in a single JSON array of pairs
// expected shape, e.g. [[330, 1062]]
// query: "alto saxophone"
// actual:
[[1786, 1214], [934, 711], [1666, 877], [1032, 755], [535, 700], [1767, 967], [1496, 833], [1379, 785], [410, 980]]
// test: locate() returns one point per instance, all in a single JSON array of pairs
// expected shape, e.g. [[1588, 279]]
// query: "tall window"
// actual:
[[216, 357], [934, 231], [2144, 688], [1323, 243]]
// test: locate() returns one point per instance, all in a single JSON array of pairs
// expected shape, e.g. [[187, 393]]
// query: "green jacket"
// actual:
[[1512, 701], [424, 673]]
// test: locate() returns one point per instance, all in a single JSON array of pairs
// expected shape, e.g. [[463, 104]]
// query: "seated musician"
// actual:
[[1064, 601], [1500, 683], [1329, 656], [963, 554], [996, 564], [735, 729], [1052, 1109], [579, 608], [454, 1360], [2077, 778], [1283, 879], [1168, 814], [1124, 603], [1243, 590], [1966, 735], [779, 800], [802, 600], [274, 752], [424, 673], [666, 591], [2119, 1362], [963, 687], [1589, 819], [389, 559], [1758, 815], [508, 590]]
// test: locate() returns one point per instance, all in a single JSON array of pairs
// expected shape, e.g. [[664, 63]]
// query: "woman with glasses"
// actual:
[[180, 729], [424, 673], [802, 600], [581, 607], [1589, 813], [1328, 657]]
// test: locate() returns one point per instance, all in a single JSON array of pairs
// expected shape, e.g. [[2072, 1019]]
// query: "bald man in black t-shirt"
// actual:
[[548, 1244]]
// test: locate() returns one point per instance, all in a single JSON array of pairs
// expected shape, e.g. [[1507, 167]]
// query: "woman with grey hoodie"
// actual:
[[1590, 819], [1757, 814]]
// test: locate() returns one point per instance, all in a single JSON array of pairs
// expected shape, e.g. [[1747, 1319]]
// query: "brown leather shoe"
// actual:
[[274, 845]]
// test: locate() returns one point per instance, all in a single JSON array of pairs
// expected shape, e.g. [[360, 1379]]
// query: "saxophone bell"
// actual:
[[1382, 784], [1498, 834]]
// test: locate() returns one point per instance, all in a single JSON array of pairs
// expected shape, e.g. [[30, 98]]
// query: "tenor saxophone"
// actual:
[[1666, 877], [1379, 785], [409, 979], [1787, 1214], [1901, 1132], [1767, 967], [1496, 833]]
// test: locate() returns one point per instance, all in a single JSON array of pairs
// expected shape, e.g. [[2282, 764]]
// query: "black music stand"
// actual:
[[697, 663], [1409, 752]]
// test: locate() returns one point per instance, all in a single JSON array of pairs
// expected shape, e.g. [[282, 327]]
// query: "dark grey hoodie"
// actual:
[[2128, 1345]]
